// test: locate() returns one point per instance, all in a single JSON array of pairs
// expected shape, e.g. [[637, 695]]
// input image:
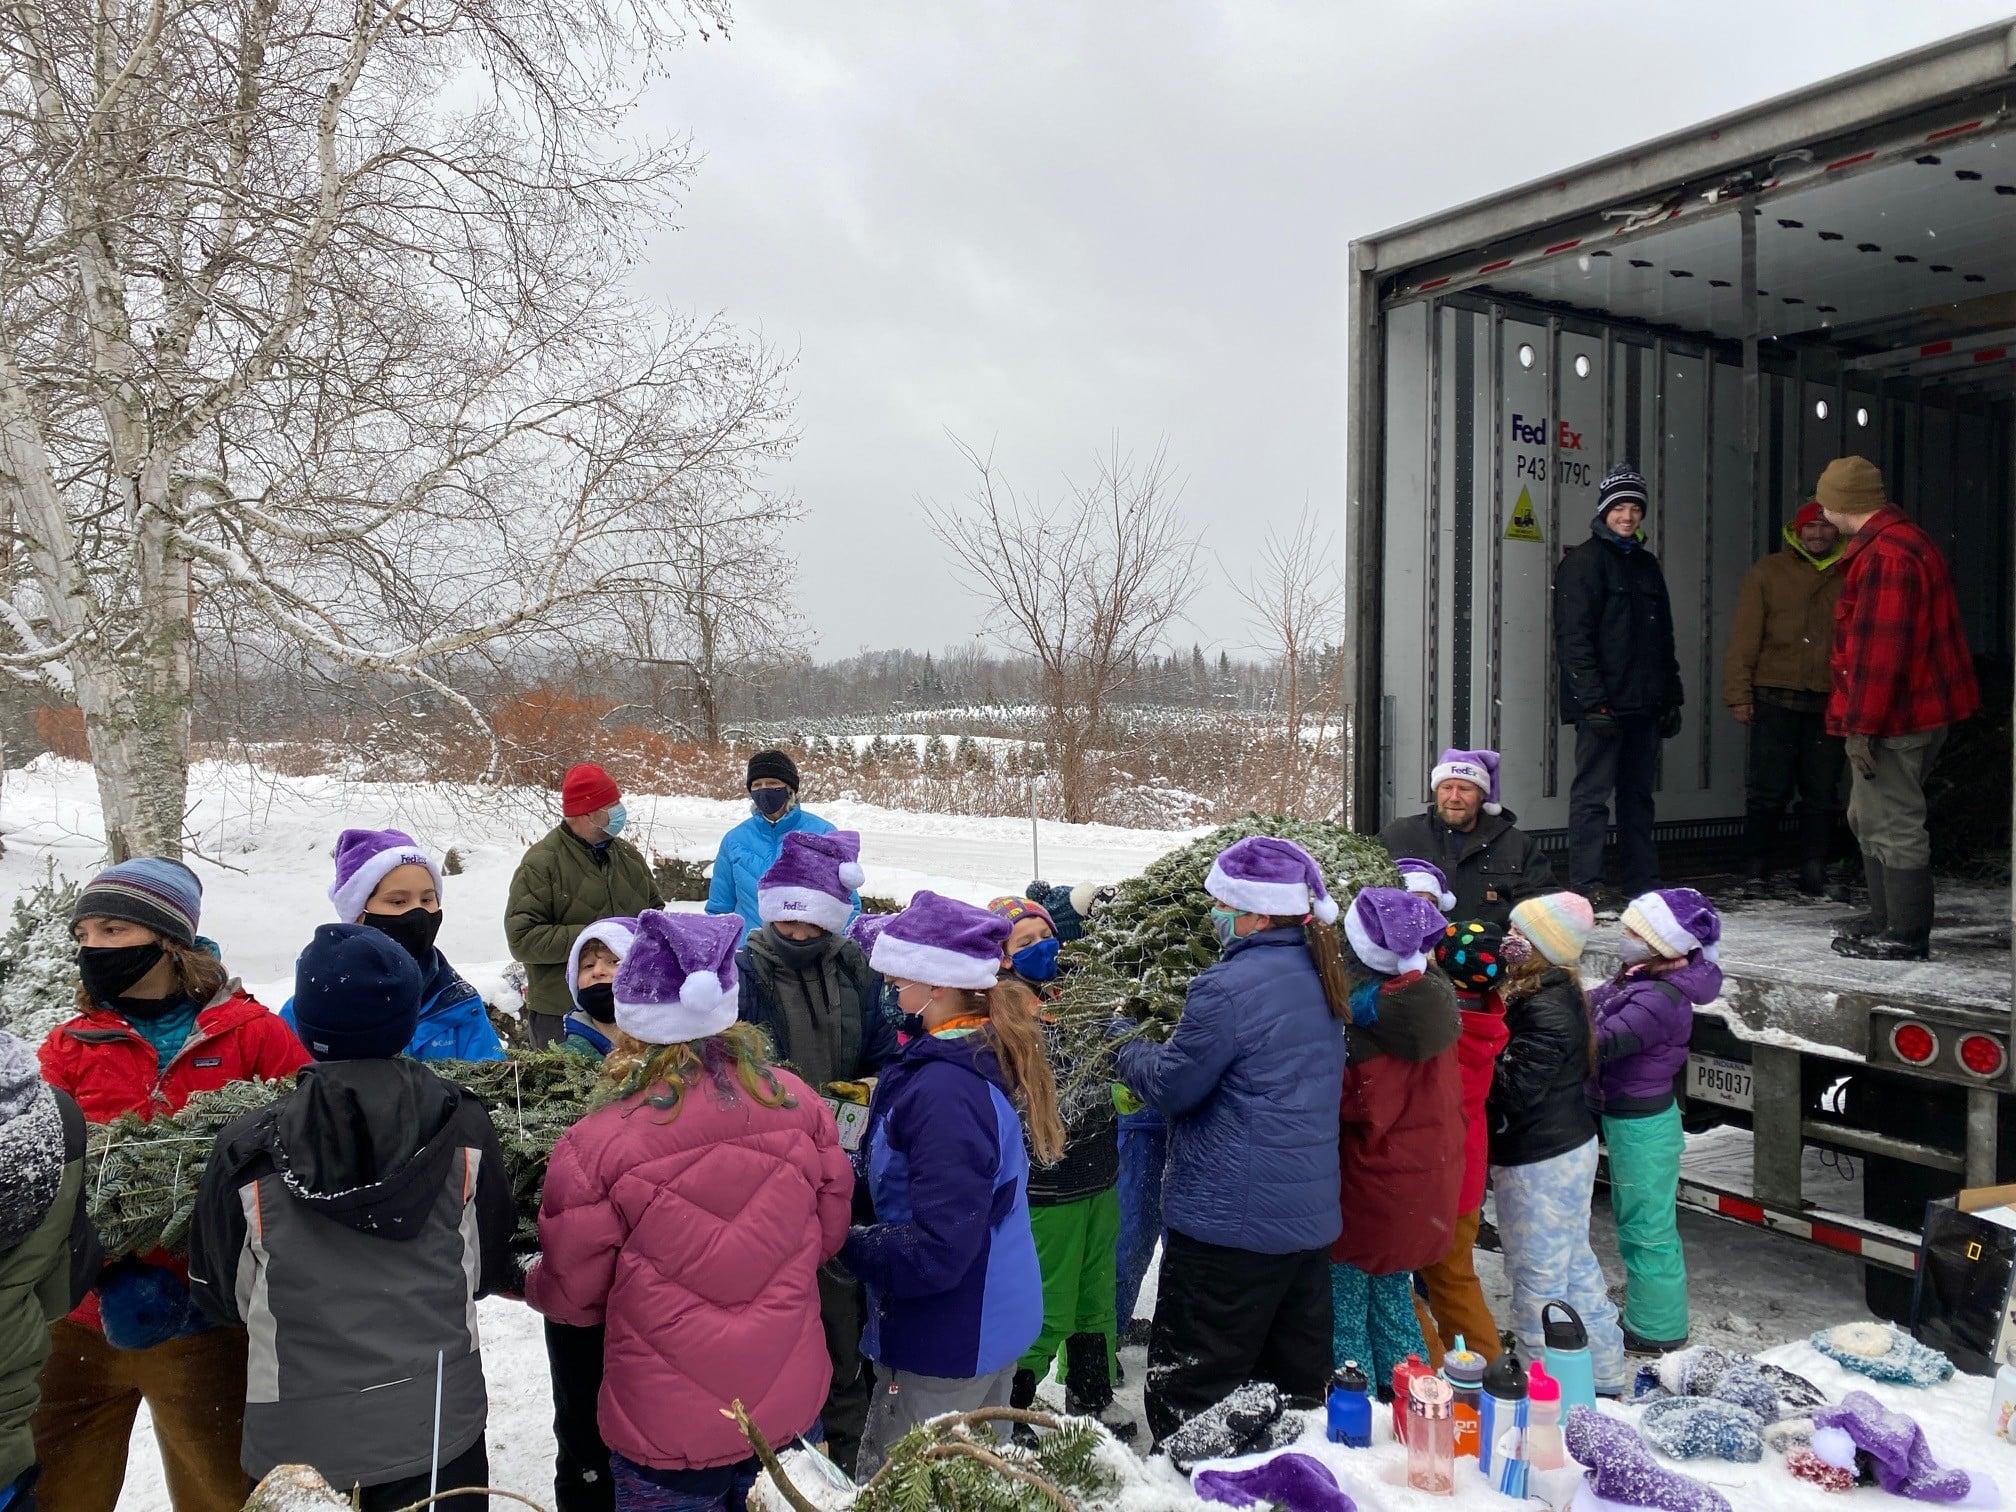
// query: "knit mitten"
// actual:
[[142, 1305], [1692, 1427], [1622, 1474], [1883, 1353], [1291, 1482], [1239, 1424], [1893, 1445]]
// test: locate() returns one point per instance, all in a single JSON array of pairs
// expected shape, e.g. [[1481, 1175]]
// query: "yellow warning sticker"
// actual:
[[1524, 524]]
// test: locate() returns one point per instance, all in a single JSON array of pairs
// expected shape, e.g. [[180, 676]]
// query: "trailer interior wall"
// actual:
[[1505, 394]]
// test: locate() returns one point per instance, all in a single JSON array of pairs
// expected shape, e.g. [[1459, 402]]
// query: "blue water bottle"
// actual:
[[1501, 1426], [1567, 1356], [1349, 1408]]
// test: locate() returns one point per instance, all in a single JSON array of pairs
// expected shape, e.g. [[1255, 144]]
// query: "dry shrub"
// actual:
[[60, 728]]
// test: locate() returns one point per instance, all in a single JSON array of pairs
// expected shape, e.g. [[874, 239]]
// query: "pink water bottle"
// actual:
[[1431, 1436]]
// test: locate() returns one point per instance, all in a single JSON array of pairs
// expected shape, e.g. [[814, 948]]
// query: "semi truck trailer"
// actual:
[[1728, 308]]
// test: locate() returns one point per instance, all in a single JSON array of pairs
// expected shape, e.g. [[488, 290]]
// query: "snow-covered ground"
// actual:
[[264, 862]]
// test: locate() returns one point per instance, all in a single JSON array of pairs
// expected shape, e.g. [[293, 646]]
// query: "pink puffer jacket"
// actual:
[[698, 1242]]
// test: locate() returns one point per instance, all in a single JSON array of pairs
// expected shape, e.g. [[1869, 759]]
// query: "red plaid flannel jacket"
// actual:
[[1900, 662]]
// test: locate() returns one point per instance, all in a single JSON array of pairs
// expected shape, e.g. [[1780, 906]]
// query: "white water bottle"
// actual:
[[2002, 1406]]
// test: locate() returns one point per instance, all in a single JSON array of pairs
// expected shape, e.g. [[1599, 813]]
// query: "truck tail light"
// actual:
[[1982, 1054], [1913, 1044]]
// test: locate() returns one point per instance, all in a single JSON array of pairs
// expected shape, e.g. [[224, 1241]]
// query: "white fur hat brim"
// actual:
[[704, 1007], [1470, 772], [1377, 957], [806, 905], [1424, 882], [1280, 900], [1647, 915], [933, 965], [614, 933], [350, 896]]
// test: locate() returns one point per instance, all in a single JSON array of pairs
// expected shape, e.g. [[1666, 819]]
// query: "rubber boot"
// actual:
[[1759, 829], [1816, 835], [1909, 936], [1877, 919], [1022, 1394]]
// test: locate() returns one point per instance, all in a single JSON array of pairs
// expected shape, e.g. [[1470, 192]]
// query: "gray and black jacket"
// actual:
[[48, 1254], [349, 1228]]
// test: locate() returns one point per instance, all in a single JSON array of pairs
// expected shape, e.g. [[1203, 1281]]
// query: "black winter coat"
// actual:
[[1539, 1102], [867, 1032], [1494, 866], [1091, 1162], [1613, 631]]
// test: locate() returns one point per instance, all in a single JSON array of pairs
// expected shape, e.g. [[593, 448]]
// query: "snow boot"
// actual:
[[1908, 893], [1088, 1384], [1816, 838], [1877, 919], [1759, 829], [1633, 1344], [1022, 1390]]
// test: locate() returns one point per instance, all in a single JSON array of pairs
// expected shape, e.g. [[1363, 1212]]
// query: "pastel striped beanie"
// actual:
[[1559, 925]]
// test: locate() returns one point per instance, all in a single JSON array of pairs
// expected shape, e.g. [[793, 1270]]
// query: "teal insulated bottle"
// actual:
[[1567, 1355]]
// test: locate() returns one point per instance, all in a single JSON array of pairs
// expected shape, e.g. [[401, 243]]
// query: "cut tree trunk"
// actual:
[[295, 1488]]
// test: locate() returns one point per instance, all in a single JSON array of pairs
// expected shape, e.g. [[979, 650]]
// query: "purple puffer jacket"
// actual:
[[1642, 1032]]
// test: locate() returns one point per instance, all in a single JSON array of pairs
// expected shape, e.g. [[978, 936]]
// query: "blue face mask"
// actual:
[[1038, 962], [618, 817], [770, 802], [1222, 922]]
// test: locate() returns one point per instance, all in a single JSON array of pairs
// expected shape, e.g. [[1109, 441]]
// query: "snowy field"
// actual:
[[265, 846]]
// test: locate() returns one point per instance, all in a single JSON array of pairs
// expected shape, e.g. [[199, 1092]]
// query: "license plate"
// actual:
[[1711, 1078]]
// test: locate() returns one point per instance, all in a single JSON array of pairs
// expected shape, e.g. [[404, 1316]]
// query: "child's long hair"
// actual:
[[1014, 1032], [739, 1056], [199, 975], [1523, 980], [1333, 968]]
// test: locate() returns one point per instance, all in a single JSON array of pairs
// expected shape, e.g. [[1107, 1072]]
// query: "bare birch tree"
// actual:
[[1295, 599], [1087, 588], [314, 310]]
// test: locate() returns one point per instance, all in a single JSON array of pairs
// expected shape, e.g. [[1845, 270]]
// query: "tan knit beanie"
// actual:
[[1851, 486]]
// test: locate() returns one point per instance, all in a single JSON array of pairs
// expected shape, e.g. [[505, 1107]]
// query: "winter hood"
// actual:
[[1818, 564], [367, 1142], [31, 1143], [1697, 978]]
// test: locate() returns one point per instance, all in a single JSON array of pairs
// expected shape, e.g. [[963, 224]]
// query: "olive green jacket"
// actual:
[[46, 1269], [559, 889]]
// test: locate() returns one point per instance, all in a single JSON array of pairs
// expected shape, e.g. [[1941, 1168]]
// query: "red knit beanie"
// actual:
[[585, 789]]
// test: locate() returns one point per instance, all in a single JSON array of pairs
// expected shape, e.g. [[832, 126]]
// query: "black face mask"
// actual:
[[108, 971], [414, 930], [598, 1002], [803, 953]]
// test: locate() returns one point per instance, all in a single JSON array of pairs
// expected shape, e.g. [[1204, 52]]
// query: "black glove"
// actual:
[[1669, 721], [1602, 724]]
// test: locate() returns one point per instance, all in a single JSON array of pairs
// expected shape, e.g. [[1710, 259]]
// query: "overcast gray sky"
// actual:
[[1039, 224]]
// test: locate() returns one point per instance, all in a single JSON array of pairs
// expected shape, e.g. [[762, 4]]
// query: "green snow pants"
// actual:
[[1644, 1196], [1077, 1248]]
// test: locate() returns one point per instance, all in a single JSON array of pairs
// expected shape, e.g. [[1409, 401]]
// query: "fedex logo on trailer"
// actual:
[[1534, 433]]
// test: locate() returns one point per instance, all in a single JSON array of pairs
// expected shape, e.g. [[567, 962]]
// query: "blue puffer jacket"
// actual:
[[1251, 1082], [454, 1025], [747, 851], [954, 1289]]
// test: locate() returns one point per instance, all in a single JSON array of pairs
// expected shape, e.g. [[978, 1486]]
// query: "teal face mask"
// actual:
[[1222, 922], [618, 817]]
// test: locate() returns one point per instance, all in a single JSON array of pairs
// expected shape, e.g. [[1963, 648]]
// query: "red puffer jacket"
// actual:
[[697, 1241], [1402, 1128], [109, 1069], [1484, 1035]]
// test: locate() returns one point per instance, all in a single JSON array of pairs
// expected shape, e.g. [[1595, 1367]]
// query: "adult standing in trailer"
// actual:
[[1620, 684], [1466, 833], [578, 873], [1902, 675], [1776, 680]]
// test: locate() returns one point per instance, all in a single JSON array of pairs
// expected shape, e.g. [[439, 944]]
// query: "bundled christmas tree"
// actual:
[[1146, 945], [141, 1178]]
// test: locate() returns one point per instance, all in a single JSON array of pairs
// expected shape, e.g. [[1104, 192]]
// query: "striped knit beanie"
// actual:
[[1559, 925], [150, 891], [1623, 484]]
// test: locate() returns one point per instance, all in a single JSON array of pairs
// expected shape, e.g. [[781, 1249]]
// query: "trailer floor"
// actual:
[[1784, 981]]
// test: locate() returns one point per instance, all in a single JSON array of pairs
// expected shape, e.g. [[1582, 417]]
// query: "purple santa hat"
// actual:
[[678, 982], [812, 880], [1418, 876], [363, 857], [1263, 875], [1478, 768], [1676, 922], [942, 942], [1391, 931], [616, 933], [867, 929]]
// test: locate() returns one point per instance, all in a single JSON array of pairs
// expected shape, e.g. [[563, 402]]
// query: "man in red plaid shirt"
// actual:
[[1902, 673]]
